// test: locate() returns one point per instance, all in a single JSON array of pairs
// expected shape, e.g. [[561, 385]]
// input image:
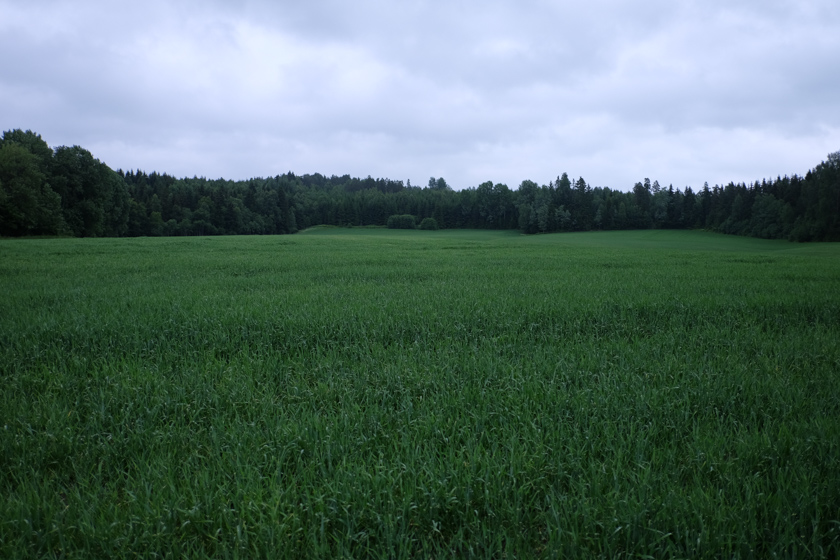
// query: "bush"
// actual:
[[429, 223], [402, 221]]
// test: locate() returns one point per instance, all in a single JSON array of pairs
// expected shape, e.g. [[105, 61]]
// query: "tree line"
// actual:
[[66, 191]]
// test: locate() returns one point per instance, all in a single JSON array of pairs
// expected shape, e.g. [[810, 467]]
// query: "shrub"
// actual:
[[429, 223]]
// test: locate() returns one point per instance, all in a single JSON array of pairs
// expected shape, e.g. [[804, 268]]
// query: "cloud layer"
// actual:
[[684, 92]]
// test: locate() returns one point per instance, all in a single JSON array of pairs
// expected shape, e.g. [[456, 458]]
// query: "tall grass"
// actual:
[[355, 393]]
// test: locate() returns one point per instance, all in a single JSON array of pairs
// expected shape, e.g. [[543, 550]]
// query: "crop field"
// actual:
[[402, 394]]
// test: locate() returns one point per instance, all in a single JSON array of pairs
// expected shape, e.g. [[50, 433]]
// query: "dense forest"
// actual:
[[66, 191]]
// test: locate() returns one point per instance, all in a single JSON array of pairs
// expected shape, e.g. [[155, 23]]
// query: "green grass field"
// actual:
[[395, 394]]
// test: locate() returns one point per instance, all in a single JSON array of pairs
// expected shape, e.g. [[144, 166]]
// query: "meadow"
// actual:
[[398, 394]]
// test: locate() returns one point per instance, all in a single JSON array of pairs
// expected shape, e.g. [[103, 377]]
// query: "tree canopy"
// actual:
[[67, 191]]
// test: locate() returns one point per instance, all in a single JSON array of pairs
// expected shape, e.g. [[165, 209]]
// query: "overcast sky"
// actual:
[[681, 92]]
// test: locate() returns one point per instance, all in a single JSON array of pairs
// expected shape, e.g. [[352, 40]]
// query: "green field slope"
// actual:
[[396, 394]]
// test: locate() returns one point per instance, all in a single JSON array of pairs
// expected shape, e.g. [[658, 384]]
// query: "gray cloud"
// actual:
[[685, 92]]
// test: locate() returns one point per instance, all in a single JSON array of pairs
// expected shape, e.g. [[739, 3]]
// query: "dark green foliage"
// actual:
[[28, 206], [429, 224], [34, 144], [402, 221], [163, 205], [94, 199], [438, 184], [96, 202]]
